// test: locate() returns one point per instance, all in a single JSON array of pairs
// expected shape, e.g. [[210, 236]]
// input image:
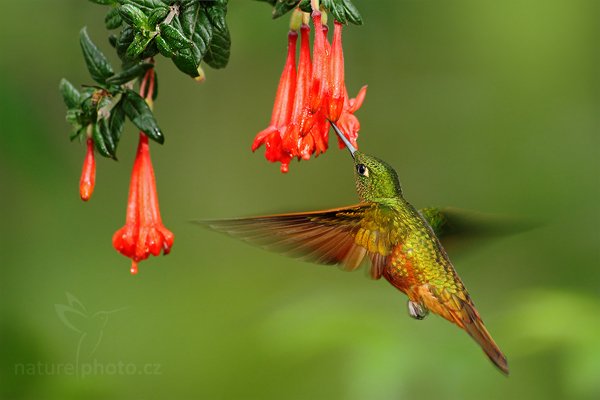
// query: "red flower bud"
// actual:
[[88, 173]]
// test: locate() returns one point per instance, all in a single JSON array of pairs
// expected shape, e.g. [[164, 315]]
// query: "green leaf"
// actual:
[[138, 45], [148, 5], [117, 122], [109, 143], [99, 141], [174, 37], [157, 16], [129, 74], [193, 22], [104, 2], [113, 19], [187, 62], [335, 9], [163, 47], [352, 13], [113, 39], [88, 106], [133, 16], [124, 41], [73, 116], [305, 6], [282, 7], [218, 52], [150, 51], [217, 10], [99, 67], [70, 94], [138, 111], [155, 93], [341, 10]]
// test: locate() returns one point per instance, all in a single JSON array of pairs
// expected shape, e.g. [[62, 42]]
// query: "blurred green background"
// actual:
[[490, 106]]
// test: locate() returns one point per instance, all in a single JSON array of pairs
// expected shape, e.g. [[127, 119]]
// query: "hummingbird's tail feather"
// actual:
[[458, 308], [472, 323]]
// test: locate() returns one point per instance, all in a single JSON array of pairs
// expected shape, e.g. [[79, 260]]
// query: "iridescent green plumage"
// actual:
[[400, 241]]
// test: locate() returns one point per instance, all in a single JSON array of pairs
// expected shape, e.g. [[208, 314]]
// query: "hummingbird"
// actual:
[[401, 242]]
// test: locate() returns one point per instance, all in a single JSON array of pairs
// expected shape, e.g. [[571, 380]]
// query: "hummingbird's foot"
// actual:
[[417, 310]]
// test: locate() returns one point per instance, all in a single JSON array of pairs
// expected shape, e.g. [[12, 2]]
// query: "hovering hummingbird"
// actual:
[[400, 241]]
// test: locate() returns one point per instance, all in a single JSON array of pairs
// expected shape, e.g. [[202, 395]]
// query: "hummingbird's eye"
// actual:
[[362, 170]]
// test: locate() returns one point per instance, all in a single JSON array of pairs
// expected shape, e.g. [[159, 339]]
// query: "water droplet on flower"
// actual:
[[134, 268]]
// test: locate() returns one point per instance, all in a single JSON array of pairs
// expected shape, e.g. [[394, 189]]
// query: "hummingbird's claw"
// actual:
[[417, 310]]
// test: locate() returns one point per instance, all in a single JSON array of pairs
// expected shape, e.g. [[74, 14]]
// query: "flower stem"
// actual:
[[314, 4]]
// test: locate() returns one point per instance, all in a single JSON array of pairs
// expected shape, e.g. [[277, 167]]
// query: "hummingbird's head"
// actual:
[[375, 179]]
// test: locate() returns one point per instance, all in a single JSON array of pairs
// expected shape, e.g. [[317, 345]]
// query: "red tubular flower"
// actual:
[[348, 123], [300, 117], [282, 110], [144, 232], [336, 78], [319, 65], [88, 173], [317, 96]]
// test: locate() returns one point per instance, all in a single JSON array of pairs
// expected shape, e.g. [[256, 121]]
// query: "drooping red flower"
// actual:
[[300, 118], [337, 86], [318, 96], [319, 65], [348, 123], [282, 110], [88, 173], [144, 232]]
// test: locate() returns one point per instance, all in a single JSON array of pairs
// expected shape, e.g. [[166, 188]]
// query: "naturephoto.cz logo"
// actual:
[[89, 330], [87, 369]]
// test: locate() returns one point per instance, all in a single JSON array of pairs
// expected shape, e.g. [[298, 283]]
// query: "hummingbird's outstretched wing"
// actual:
[[342, 236], [457, 227]]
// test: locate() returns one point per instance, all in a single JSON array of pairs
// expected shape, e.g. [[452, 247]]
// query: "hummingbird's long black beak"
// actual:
[[351, 148]]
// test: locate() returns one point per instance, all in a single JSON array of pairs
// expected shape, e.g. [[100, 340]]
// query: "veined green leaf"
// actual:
[[104, 2], [163, 47], [174, 37], [117, 122], [70, 94], [157, 16], [99, 67], [352, 13], [147, 5], [282, 7], [138, 111], [129, 74], [194, 24], [133, 16], [99, 141], [217, 55], [138, 45], [124, 41], [113, 19]]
